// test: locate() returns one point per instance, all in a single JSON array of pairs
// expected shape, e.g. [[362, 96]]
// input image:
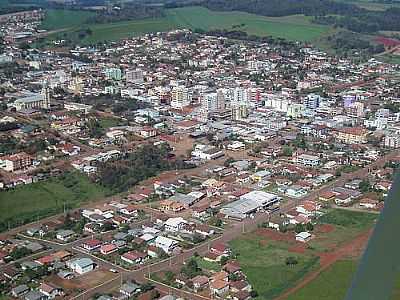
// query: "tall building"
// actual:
[[180, 97], [113, 73], [134, 76], [312, 101]]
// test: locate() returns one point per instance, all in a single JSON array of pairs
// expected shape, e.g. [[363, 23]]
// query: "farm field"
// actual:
[[59, 18], [264, 263], [296, 27], [26, 203]]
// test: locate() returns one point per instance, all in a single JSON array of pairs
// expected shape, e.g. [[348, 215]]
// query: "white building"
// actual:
[[180, 97], [166, 244], [81, 265], [308, 160]]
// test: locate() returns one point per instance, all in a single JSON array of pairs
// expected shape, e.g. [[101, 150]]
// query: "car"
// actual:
[[113, 271]]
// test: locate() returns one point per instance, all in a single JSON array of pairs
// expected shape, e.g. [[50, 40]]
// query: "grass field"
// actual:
[[265, 265], [331, 284], [59, 18], [208, 265], [295, 27], [347, 225], [389, 58], [26, 203], [292, 27], [109, 122]]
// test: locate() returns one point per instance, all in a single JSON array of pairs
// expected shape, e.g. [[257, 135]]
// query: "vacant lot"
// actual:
[[29, 202], [347, 225], [63, 18], [264, 264]]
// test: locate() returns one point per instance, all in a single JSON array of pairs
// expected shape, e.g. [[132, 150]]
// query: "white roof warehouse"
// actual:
[[249, 203]]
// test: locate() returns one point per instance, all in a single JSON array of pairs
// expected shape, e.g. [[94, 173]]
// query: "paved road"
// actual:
[[230, 233]]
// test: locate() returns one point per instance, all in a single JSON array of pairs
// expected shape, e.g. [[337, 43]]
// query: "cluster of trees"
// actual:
[[279, 8], [146, 162], [128, 11], [365, 21]]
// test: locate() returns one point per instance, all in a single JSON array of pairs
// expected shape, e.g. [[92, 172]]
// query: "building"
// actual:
[[180, 97], [34, 101], [308, 160], [352, 135], [303, 236], [81, 265], [166, 244], [134, 76], [250, 203], [113, 73], [15, 162]]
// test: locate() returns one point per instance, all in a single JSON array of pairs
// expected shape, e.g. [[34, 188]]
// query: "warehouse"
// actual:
[[250, 203]]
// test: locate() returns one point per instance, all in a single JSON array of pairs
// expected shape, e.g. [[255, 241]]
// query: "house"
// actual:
[[170, 205], [65, 235], [152, 251], [50, 290], [327, 196], [343, 199], [166, 244], [220, 248], [368, 203], [91, 245], [35, 295], [130, 211], [219, 287], [19, 290], [240, 285], [134, 257], [295, 191], [81, 265], [199, 282], [308, 208], [108, 249], [148, 132], [242, 295], [200, 212], [67, 275], [130, 289], [303, 236], [232, 267]]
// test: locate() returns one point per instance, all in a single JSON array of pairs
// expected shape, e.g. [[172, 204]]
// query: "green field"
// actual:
[[333, 283], [27, 203], [109, 122], [58, 18], [292, 27], [208, 265], [265, 265], [389, 58], [347, 225]]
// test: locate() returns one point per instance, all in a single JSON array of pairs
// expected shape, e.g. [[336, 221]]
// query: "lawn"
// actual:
[[109, 122], [29, 202], [265, 265], [296, 27], [347, 225], [63, 18], [208, 265]]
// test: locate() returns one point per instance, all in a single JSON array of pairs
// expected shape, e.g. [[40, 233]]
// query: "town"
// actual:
[[182, 165]]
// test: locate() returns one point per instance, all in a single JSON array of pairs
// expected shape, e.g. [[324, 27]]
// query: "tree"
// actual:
[[309, 226], [299, 228], [287, 151], [224, 260], [364, 186], [191, 268], [291, 261]]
